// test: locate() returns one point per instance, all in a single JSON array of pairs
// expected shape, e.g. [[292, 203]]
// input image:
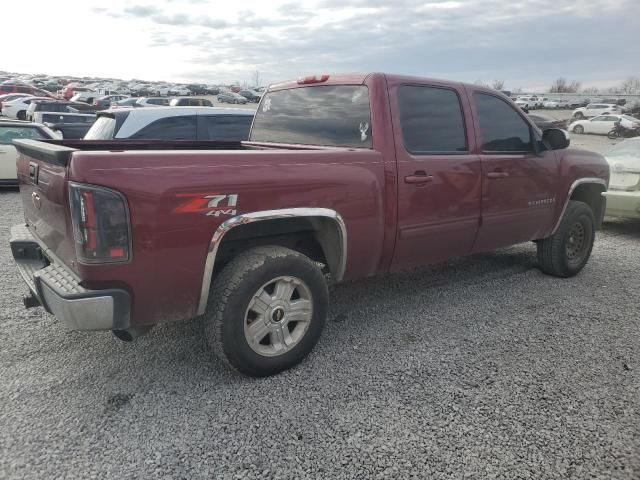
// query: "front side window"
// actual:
[[232, 128], [171, 128], [329, 115], [8, 134], [431, 120], [502, 129]]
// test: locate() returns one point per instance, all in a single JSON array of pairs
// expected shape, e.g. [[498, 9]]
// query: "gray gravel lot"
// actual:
[[477, 368]]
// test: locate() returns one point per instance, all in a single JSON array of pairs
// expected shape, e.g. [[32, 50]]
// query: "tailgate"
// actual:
[[42, 171]]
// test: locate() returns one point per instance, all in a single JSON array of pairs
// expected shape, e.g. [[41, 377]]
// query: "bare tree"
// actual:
[[498, 84], [560, 85], [630, 85], [591, 91], [516, 90], [481, 83], [256, 78]]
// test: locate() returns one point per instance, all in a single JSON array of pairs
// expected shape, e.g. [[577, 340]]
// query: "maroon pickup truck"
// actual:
[[343, 177]]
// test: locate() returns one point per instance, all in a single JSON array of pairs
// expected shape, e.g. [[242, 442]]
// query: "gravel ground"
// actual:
[[477, 368]]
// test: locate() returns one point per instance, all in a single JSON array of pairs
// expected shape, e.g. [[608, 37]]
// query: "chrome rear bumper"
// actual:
[[59, 291]]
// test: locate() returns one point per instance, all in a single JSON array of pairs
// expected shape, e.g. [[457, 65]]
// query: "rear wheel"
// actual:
[[21, 115], [266, 311], [579, 116], [578, 129], [567, 251], [613, 134]]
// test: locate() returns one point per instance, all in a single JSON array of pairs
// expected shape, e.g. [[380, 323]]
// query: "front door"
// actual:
[[438, 175], [518, 183]]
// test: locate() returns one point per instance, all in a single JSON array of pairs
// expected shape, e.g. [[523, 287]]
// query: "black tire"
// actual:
[[567, 251], [578, 129], [229, 301], [613, 134], [21, 115], [579, 116]]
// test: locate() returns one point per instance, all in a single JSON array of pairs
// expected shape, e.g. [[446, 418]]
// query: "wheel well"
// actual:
[[591, 194], [319, 238]]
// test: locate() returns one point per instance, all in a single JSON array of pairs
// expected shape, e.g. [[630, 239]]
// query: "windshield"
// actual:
[[326, 115], [102, 129]]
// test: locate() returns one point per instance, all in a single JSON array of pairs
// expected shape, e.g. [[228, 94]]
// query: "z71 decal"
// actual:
[[213, 205]]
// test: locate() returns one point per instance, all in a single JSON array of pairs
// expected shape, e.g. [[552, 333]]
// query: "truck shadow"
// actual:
[[622, 227]]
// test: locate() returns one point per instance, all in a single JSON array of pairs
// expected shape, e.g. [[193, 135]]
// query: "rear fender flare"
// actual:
[[264, 215]]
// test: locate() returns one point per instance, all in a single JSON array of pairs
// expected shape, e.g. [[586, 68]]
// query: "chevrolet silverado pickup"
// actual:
[[343, 177]]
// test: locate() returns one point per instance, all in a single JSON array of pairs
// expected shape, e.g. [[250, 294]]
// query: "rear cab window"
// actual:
[[224, 127], [328, 115]]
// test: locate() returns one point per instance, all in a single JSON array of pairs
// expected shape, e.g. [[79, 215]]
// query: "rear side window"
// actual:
[[103, 129], [225, 127], [431, 120], [326, 115], [170, 128], [502, 129]]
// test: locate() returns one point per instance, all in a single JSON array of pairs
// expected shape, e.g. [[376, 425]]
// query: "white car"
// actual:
[[173, 123], [623, 195], [179, 91], [528, 101], [595, 109], [18, 107], [87, 97], [551, 104], [603, 124], [152, 102], [10, 130]]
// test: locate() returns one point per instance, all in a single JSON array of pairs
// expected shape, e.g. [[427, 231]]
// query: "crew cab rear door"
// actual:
[[438, 175], [518, 183]]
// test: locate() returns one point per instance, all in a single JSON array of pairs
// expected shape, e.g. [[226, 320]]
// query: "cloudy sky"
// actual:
[[526, 43]]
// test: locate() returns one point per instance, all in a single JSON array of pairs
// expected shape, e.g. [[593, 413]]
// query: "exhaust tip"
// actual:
[[30, 301], [130, 334]]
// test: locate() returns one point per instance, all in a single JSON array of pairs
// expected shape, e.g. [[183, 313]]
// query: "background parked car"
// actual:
[[179, 91], [190, 102], [50, 105], [595, 109], [130, 102], [251, 96], [70, 91], [197, 89], [7, 97], [153, 102], [623, 196], [603, 124], [87, 97], [231, 97], [173, 123], [10, 130], [543, 121], [12, 88], [105, 101], [67, 125], [17, 108]]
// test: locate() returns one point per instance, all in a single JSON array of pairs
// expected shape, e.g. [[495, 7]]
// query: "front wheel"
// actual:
[[579, 116], [266, 310], [578, 129], [567, 251], [21, 115]]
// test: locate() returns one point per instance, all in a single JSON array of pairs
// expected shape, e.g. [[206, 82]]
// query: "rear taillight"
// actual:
[[100, 220]]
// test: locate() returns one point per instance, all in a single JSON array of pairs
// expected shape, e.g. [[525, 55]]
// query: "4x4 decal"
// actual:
[[209, 204]]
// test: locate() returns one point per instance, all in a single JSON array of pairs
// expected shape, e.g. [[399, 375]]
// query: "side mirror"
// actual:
[[556, 138]]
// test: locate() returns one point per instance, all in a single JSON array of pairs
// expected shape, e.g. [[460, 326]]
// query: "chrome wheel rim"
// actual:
[[576, 241], [278, 316]]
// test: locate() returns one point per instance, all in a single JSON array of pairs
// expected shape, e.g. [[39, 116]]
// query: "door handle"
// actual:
[[418, 178], [497, 174]]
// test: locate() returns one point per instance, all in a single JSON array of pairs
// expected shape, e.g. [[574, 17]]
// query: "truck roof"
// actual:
[[355, 79]]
